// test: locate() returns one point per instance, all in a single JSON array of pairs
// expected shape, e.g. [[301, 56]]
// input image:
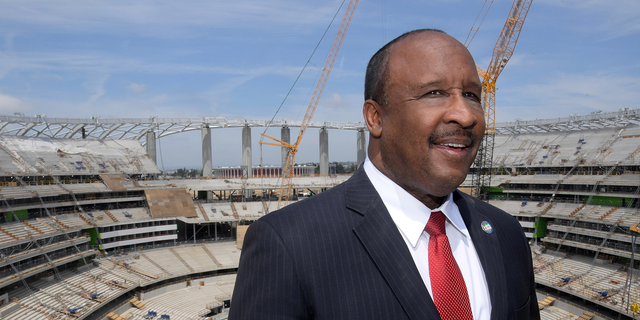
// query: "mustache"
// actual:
[[453, 133]]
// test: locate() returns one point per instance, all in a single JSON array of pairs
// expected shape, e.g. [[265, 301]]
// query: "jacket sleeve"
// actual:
[[534, 309], [267, 285], [533, 312]]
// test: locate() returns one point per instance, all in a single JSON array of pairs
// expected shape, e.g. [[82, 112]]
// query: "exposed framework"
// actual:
[[594, 120], [136, 128]]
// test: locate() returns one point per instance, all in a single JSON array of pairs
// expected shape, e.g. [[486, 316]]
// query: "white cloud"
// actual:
[[7, 63], [137, 87], [164, 18], [9, 104], [139, 106], [569, 93], [335, 100], [517, 59], [95, 84], [608, 19], [340, 107], [219, 95], [105, 63]]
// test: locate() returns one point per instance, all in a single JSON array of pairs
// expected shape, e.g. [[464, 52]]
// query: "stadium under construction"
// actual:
[[91, 229]]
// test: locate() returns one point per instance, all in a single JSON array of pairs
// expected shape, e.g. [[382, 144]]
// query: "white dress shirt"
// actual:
[[411, 217]]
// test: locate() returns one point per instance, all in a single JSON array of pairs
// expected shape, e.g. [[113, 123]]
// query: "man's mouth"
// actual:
[[454, 145], [456, 139]]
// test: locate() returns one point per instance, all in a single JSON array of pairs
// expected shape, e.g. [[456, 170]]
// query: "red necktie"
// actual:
[[447, 285]]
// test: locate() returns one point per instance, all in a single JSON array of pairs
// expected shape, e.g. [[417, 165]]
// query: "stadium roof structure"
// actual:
[[594, 120], [136, 128]]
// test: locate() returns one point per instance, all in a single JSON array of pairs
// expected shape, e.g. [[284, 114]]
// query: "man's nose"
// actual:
[[464, 112]]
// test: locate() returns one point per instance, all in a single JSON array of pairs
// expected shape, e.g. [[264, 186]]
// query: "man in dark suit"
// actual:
[[397, 240]]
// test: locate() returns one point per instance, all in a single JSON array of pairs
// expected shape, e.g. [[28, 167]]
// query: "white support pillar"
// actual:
[[206, 151], [246, 150], [285, 135], [207, 170], [324, 151], [361, 142], [151, 145]]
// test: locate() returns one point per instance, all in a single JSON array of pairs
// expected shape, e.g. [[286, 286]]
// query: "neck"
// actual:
[[429, 200]]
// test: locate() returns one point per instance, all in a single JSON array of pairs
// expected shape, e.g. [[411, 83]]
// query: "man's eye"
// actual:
[[472, 96], [434, 93]]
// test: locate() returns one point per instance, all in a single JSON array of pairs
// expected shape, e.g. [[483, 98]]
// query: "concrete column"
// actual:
[[285, 135], [206, 151], [324, 151], [206, 158], [246, 150], [361, 144], [151, 145]]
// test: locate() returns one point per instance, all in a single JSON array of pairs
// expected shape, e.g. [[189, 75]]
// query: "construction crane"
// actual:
[[502, 52], [287, 172]]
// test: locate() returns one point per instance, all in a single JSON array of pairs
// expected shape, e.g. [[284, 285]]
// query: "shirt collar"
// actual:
[[409, 214]]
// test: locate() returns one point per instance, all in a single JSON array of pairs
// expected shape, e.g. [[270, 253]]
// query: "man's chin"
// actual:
[[446, 186]]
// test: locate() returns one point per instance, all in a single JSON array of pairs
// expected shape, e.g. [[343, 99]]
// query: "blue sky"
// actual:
[[238, 59]]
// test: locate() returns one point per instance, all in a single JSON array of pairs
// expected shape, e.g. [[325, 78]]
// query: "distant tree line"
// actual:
[[341, 167], [187, 173]]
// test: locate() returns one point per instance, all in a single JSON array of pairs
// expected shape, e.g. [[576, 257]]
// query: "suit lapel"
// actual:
[[382, 240], [488, 248]]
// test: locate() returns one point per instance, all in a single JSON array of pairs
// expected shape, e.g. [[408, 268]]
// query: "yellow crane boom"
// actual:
[[502, 52], [287, 172]]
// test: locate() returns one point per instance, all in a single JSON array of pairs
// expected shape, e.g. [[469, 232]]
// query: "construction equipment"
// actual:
[[74, 310], [287, 172], [95, 296], [502, 52]]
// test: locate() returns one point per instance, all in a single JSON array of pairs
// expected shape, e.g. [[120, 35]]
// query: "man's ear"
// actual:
[[372, 113]]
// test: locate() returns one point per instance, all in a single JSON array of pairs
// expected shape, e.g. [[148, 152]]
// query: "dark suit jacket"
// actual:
[[339, 255]]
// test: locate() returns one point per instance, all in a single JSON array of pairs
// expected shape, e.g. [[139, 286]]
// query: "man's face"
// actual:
[[433, 122]]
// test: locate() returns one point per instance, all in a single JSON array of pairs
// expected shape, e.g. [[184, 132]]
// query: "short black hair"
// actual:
[[376, 77]]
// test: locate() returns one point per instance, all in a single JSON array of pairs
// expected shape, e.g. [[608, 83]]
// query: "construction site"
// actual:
[[91, 228]]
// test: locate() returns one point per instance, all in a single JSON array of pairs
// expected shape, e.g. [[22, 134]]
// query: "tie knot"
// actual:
[[435, 226]]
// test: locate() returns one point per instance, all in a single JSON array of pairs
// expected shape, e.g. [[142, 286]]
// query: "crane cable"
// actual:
[[303, 68], [467, 41], [296, 81]]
